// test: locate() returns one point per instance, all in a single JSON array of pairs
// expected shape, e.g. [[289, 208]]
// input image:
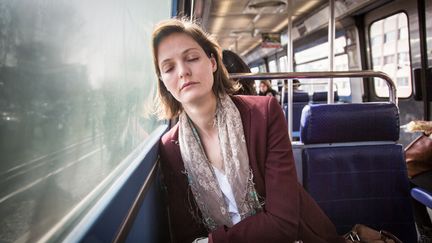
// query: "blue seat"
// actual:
[[422, 195], [354, 169], [321, 97], [300, 100]]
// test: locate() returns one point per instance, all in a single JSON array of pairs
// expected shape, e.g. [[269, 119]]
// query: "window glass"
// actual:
[[283, 64], [376, 40], [305, 62], [392, 55], [255, 70], [74, 95], [390, 36], [272, 66], [320, 51], [403, 33]]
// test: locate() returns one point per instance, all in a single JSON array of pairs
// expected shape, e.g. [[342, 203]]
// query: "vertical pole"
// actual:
[[192, 9], [331, 38], [290, 62], [424, 60]]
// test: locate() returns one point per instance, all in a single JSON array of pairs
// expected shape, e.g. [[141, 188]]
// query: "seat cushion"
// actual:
[[361, 184]]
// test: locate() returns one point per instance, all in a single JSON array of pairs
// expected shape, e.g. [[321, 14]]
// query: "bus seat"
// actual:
[[298, 97], [353, 167], [300, 100], [321, 97], [422, 195]]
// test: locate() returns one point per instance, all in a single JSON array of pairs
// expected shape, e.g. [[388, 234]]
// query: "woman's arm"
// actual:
[[184, 226]]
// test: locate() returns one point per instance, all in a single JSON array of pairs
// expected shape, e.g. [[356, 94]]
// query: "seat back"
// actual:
[[354, 169], [321, 97], [300, 100]]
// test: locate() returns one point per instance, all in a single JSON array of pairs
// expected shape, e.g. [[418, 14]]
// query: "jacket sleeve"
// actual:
[[184, 228], [279, 221]]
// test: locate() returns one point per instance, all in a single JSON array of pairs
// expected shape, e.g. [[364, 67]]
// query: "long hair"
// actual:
[[169, 107], [234, 64]]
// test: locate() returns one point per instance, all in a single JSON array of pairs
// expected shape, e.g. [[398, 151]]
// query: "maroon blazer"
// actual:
[[289, 213]]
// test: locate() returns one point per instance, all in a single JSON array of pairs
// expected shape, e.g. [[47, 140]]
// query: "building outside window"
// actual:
[[391, 56]]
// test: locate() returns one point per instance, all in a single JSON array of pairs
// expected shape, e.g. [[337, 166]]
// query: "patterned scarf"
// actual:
[[200, 172]]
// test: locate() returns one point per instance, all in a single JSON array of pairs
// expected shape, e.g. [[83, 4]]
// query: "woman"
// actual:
[[265, 89], [228, 168]]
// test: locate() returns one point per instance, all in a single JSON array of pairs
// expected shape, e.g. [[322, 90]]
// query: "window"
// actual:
[[320, 51], [403, 33], [315, 59], [403, 59], [394, 53], [402, 81], [70, 121], [376, 61], [389, 59], [390, 36], [255, 70], [376, 40], [283, 64], [272, 66]]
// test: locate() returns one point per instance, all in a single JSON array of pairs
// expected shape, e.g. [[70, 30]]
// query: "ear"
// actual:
[[213, 62]]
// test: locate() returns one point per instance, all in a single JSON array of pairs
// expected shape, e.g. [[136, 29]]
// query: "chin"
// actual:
[[196, 96]]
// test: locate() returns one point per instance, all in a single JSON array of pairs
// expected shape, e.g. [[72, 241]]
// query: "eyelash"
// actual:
[[168, 70], [193, 59]]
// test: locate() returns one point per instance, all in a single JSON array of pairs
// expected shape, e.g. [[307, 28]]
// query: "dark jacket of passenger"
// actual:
[[289, 212], [270, 92]]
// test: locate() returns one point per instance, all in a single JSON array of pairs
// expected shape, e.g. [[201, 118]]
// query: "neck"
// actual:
[[202, 114]]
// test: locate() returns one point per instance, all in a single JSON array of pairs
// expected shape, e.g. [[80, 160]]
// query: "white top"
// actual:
[[228, 195]]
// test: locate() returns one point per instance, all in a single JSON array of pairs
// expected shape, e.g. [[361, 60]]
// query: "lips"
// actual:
[[187, 84]]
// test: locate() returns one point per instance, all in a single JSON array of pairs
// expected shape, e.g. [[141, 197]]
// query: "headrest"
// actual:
[[298, 96], [337, 123], [322, 96]]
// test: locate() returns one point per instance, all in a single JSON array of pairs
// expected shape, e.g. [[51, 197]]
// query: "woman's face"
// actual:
[[263, 87], [186, 70]]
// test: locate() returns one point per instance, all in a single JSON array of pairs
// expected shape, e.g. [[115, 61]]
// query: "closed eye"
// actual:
[[167, 69], [193, 59]]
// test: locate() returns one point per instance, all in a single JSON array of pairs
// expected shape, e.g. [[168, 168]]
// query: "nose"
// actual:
[[184, 70]]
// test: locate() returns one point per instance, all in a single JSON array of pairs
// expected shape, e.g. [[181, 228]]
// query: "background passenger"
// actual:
[[234, 64], [265, 89], [296, 88], [296, 85], [228, 169]]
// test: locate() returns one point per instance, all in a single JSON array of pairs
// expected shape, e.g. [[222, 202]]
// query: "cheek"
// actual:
[[169, 86], [209, 75]]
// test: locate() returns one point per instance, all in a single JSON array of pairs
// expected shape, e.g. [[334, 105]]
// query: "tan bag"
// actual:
[[363, 234], [418, 156]]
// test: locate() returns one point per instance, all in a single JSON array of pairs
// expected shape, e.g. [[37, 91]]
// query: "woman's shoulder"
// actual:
[[251, 100], [254, 102]]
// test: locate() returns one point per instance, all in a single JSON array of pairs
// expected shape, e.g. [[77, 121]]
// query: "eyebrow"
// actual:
[[185, 51]]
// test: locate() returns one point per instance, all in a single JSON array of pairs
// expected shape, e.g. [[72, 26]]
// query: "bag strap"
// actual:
[[390, 236]]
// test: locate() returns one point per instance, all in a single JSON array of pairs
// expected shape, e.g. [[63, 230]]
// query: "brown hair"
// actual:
[[267, 83], [169, 107], [234, 64]]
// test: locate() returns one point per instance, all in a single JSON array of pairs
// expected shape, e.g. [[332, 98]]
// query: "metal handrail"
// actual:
[[336, 74], [309, 75]]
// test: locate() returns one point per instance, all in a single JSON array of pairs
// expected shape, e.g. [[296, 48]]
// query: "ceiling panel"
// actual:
[[237, 28]]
